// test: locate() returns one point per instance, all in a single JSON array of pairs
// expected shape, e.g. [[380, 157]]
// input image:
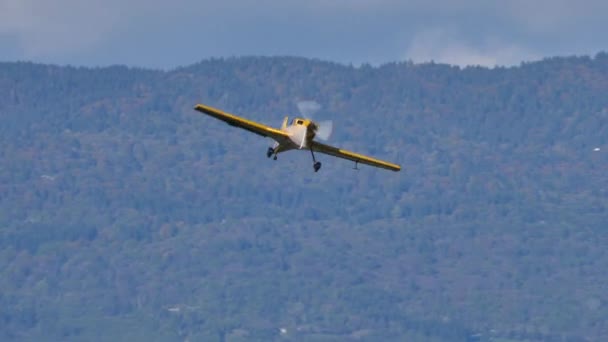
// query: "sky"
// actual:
[[166, 34]]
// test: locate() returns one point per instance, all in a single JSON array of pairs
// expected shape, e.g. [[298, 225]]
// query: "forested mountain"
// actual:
[[126, 215]]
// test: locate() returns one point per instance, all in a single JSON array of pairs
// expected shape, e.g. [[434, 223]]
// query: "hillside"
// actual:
[[126, 215]]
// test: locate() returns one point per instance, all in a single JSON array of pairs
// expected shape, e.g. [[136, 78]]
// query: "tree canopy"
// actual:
[[126, 215]]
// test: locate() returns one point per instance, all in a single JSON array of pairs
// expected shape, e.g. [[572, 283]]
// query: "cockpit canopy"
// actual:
[[297, 121]]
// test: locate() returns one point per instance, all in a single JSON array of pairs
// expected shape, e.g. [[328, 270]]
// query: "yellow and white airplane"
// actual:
[[300, 134]]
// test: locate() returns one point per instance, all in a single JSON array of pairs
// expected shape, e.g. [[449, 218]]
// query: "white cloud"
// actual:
[[168, 33], [443, 47], [47, 27]]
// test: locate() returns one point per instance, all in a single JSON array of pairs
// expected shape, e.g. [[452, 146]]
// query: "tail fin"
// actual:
[[284, 126]]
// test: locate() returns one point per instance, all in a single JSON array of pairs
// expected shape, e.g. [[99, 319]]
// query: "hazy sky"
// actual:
[[165, 34]]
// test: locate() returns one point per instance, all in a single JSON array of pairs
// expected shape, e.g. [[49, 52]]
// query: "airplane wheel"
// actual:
[[270, 152], [275, 157], [317, 166]]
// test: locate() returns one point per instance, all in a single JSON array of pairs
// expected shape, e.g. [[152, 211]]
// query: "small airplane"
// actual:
[[298, 135]]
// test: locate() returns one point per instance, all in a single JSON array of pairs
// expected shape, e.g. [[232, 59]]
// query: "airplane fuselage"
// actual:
[[301, 133]]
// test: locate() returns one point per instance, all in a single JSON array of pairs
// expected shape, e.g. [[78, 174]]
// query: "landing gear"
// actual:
[[270, 152], [316, 165]]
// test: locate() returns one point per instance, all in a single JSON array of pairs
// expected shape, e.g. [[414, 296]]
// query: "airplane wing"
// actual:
[[251, 126], [356, 157]]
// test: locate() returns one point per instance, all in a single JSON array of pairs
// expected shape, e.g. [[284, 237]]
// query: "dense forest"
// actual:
[[127, 216]]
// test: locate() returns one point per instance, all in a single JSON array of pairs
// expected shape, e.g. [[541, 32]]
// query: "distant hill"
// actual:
[[126, 215]]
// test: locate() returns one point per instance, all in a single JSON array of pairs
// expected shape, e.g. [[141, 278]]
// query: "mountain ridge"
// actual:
[[118, 202]]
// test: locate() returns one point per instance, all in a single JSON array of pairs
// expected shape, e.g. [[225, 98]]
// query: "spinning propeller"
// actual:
[[322, 129]]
